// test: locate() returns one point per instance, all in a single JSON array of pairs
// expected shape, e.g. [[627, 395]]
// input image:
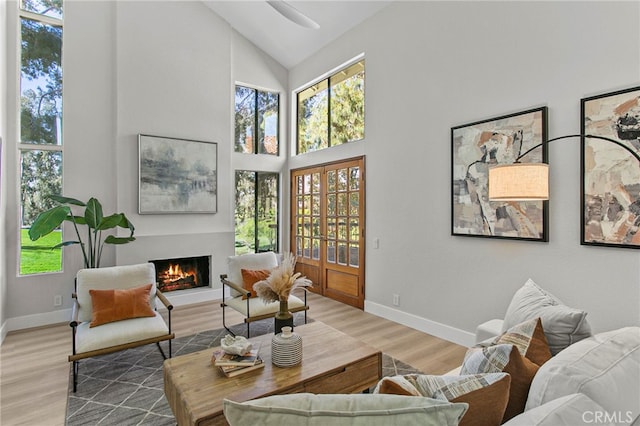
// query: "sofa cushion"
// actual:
[[252, 276], [507, 359], [235, 264], [486, 394], [119, 332], [569, 410], [340, 410], [562, 325], [530, 340], [120, 304], [605, 367], [258, 307]]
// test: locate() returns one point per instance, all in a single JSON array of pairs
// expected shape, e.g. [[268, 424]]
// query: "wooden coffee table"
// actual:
[[332, 362]]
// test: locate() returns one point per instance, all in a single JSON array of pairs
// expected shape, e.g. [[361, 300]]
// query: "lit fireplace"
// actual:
[[183, 273]]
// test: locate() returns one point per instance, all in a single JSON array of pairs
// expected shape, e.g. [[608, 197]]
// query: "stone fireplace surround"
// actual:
[[218, 245]]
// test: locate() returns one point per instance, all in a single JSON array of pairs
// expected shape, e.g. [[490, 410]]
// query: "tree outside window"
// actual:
[[40, 142], [256, 212], [256, 121], [331, 112]]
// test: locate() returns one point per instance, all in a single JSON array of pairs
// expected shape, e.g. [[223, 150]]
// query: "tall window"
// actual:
[[40, 143], [331, 112], [256, 216], [256, 121]]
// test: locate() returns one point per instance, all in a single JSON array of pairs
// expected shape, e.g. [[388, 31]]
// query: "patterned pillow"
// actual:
[[507, 359], [486, 394], [530, 340]]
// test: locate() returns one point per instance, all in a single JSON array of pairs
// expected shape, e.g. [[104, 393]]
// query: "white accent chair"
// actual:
[[253, 308], [119, 335]]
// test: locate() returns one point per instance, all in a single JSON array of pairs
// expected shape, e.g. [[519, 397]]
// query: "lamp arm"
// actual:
[[635, 154]]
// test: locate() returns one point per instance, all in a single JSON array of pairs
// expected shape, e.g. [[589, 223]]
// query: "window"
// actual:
[[331, 112], [40, 144], [256, 215], [256, 109]]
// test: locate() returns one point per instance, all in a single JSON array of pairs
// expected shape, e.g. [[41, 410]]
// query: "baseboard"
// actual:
[[446, 332], [36, 320], [178, 298], [3, 332]]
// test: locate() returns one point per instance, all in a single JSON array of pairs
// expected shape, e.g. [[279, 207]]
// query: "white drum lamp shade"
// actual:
[[519, 182]]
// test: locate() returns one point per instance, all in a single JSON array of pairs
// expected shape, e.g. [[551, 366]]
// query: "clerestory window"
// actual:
[[256, 121], [331, 111]]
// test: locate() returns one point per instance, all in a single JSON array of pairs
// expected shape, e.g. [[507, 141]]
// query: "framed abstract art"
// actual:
[[610, 184], [176, 175], [476, 147]]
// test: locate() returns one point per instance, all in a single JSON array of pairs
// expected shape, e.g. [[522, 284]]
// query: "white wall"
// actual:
[[434, 65], [130, 68], [169, 70], [3, 184]]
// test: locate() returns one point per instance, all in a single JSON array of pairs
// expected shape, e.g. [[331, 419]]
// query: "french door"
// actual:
[[327, 228]]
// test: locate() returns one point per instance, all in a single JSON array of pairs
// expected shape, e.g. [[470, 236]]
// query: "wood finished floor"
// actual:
[[34, 370]]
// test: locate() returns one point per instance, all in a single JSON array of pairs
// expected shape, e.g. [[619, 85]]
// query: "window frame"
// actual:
[[326, 80], [22, 147], [256, 146], [256, 218]]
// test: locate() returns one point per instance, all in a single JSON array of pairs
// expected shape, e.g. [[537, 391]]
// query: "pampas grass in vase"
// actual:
[[278, 287]]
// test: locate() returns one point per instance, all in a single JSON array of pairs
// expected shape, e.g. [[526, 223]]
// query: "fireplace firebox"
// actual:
[[182, 273]]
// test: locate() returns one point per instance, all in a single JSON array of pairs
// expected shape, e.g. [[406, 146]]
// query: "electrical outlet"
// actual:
[[57, 300], [396, 300]]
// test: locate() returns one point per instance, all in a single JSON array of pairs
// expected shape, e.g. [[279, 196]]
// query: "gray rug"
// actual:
[[126, 388]]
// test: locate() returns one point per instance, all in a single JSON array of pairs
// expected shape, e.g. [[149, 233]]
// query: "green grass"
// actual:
[[37, 257]]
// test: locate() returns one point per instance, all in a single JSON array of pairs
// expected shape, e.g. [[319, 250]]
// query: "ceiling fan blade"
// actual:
[[293, 14]]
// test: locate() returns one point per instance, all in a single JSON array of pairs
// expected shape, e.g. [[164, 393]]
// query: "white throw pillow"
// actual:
[[605, 367], [340, 410], [571, 410], [562, 325]]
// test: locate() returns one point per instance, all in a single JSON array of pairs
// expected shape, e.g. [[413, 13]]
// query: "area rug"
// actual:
[[126, 388]]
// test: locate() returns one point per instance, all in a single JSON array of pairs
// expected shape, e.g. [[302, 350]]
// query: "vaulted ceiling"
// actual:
[[285, 41]]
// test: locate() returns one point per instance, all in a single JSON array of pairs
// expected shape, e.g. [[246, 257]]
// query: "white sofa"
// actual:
[[589, 380], [593, 381]]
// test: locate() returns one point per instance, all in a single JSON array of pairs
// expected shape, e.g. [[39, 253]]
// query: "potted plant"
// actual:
[[94, 220]]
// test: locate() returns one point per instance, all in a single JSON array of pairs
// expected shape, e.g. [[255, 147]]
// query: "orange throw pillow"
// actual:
[[252, 276], [120, 304]]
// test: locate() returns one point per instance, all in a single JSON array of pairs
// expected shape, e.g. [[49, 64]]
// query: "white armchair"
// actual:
[[116, 335], [236, 297]]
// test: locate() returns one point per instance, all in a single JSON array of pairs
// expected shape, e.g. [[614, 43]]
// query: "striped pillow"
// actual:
[[486, 394], [507, 359], [530, 340]]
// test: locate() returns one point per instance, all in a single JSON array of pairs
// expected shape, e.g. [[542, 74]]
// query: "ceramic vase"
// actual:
[[283, 317], [286, 348]]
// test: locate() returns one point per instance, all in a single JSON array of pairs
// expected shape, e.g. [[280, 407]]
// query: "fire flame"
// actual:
[[175, 272]]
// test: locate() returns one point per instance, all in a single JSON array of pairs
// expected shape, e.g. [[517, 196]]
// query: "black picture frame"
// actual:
[[477, 146], [610, 175]]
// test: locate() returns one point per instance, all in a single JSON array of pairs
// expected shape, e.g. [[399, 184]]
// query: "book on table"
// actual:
[[222, 359], [234, 370]]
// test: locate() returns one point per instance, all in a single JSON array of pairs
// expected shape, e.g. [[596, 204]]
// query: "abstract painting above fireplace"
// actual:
[[182, 273]]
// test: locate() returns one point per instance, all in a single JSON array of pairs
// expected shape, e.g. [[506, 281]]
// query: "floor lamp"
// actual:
[[530, 181]]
